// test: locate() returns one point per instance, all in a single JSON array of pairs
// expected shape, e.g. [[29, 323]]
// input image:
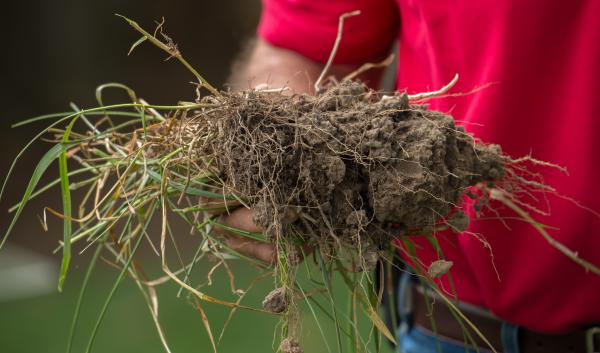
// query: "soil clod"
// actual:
[[290, 345], [276, 301], [337, 167]]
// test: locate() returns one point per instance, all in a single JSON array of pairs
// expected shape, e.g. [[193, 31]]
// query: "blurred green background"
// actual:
[[41, 323], [55, 53]]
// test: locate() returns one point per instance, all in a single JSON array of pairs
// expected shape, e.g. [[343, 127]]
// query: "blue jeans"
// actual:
[[413, 339], [416, 340]]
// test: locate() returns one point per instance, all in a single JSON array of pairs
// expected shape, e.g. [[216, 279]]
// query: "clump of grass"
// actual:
[[346, 173]]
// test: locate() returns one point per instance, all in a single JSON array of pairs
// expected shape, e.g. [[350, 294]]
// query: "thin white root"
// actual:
[[428, 95], [369, 66], [336, 44], [264, 88]]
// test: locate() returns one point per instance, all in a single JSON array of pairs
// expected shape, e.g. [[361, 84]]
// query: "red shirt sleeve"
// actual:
[[309, 27]]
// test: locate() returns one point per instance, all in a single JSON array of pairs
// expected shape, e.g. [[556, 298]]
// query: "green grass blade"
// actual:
[[328, 286], [41, 167], [137, 42], [190, 190], [366, 300], [49, 186], [391, 294], [433, 323], [314, 315], [259, 237], [39, 118], [67, 223], [101, 88], [352, 339], [66, 198], [86, 279], [119, 279], [59, 115]]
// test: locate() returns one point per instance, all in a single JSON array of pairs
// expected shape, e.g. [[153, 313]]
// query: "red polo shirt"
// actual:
[[543, 57]]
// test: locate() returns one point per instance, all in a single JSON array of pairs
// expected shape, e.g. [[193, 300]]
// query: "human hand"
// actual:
[[241, 218]]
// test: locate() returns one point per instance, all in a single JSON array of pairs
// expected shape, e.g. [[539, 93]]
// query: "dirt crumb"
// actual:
[[290, 345], [369, 258], [439, 268], [276, 301], [458, 222]]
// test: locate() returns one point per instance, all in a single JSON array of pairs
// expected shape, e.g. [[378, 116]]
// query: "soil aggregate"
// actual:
[[290, 345], [276, 301]]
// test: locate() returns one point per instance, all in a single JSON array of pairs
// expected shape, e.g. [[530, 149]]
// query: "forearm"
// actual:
[[277, 67], [264, 63]]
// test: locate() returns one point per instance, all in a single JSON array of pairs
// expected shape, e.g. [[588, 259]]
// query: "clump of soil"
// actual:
[[289, 345], [276, 301], [341, 167]]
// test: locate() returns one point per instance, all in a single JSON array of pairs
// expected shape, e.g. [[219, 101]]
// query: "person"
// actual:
[[538, 62]]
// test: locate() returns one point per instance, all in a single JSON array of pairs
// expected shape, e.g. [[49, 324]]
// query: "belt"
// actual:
[[447, 327]]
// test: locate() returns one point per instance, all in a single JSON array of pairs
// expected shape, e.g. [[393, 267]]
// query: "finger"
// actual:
[[240, 219], [216, 207], [262, 251]]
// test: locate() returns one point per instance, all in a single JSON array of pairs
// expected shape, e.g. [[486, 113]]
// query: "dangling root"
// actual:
[[433, 94], [505, 199]]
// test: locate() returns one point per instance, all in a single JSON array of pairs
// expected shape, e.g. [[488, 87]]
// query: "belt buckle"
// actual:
[[590, 334]]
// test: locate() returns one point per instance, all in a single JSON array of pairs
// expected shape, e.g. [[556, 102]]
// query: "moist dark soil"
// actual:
[[347, 166]]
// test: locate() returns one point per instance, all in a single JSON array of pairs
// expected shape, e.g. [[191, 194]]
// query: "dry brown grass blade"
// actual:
[[206, 325], [378, 322]]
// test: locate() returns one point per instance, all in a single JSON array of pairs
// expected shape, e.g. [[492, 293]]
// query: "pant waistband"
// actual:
[[433, 314]]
